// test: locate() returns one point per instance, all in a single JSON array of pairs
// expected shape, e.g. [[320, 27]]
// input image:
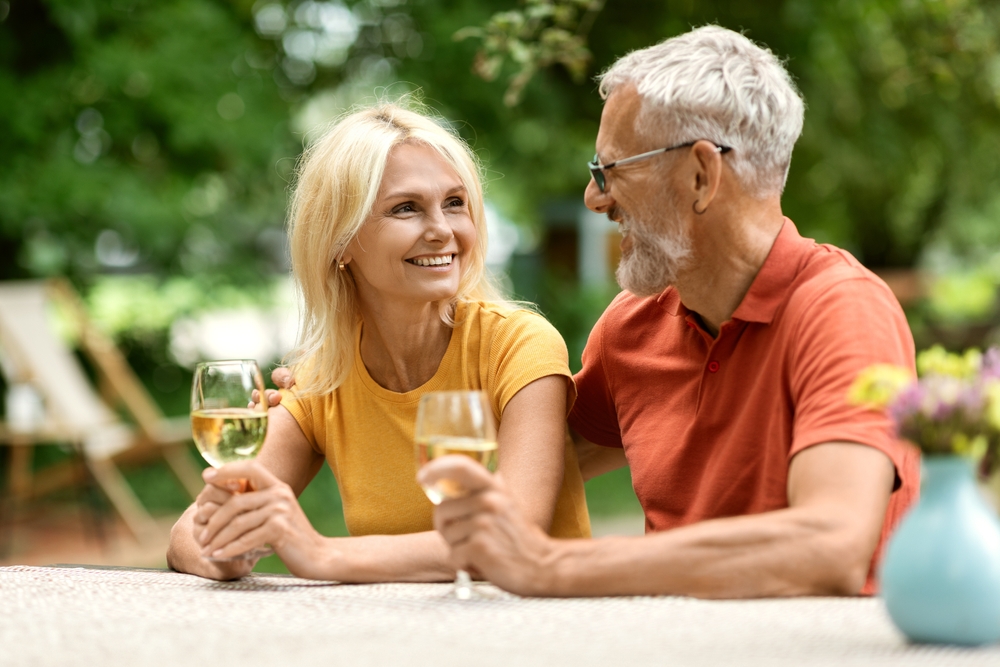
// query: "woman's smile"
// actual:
[[434, 261]]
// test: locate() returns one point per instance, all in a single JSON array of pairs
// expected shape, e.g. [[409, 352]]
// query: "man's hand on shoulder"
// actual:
[[281, 377]]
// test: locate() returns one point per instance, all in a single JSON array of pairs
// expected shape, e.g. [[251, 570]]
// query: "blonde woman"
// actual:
[[388, 242]]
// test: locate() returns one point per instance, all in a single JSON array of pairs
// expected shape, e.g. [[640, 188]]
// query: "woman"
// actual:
[[388, 242]]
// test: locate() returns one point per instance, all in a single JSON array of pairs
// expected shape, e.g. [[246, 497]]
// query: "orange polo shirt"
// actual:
[[710, 425]]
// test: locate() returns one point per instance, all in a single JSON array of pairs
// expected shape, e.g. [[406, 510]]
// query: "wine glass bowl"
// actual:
[[224, 426]]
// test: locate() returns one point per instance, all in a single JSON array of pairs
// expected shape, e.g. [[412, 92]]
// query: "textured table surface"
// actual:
[[80, 616]]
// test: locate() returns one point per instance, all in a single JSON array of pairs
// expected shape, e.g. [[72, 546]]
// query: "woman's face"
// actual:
[[420, 231]]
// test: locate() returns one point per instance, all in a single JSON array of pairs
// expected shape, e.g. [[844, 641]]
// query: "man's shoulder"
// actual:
[[832, 273], [627, 309]]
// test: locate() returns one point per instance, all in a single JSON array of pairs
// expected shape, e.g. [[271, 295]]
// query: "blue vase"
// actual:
[[941, 573]]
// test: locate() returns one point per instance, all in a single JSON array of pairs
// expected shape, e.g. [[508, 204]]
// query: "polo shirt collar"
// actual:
[[769, 288]]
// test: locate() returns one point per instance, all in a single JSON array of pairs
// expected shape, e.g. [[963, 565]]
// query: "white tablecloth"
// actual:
[[106, 617]]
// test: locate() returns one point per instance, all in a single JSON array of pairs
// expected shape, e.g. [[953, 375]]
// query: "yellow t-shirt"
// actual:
[[365, 431]]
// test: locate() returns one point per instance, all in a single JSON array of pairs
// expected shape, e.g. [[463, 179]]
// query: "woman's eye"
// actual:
[[403, 208], [456, 202]]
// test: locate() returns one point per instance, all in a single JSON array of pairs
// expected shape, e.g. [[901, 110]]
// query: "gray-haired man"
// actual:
[[720, 375]]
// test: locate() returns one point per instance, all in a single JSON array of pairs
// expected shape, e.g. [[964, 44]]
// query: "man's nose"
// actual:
[[597, 201]]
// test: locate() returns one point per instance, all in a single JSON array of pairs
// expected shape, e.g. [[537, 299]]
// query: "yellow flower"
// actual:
[[938, 361], [877, 385]]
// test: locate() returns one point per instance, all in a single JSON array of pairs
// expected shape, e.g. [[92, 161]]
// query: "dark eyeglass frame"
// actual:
[[597, 169]]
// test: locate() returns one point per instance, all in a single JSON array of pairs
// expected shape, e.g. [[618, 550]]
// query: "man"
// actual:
[[720, 375]]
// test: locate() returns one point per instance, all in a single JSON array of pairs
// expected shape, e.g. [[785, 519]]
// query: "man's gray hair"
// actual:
[[713, 83]]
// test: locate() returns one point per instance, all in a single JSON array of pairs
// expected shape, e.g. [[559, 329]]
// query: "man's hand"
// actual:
[[485, 530], [280, 376]]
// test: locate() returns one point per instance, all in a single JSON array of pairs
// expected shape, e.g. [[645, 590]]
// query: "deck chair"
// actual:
[[73, 412]]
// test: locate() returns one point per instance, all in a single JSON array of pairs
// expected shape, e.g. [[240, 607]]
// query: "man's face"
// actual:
[[641, 198]]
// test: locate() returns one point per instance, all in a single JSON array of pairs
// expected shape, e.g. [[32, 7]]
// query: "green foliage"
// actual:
[[139, 135], [611, 495], [544, 33], [902, 134]]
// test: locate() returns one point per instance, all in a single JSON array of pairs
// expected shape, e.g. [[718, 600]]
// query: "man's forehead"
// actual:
[[618, 118]]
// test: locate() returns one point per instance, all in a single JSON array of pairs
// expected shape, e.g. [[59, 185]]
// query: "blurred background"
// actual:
[[147, 149]]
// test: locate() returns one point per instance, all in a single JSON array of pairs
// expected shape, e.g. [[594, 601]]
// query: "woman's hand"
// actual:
[[228, 523]]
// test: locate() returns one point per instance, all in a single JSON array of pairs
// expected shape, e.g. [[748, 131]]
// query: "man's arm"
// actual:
[[596, 460], [822, 544]]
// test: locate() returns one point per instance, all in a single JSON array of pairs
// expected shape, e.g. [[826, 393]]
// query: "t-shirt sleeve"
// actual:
[[594, 416], [309, 414], [854, 324], [525, 348]]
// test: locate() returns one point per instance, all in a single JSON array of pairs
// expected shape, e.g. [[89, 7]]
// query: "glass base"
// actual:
[[253, 554]]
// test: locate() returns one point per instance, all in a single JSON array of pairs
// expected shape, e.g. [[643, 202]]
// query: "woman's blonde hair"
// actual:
[[338, 181]]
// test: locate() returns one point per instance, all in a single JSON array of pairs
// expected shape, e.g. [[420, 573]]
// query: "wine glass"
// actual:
[[224, 427], [455, 422]]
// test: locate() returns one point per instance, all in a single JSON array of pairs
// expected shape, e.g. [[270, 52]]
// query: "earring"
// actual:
[[342, 266], [695, 208]]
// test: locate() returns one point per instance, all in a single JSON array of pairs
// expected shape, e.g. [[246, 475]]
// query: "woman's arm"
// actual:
[[224, 525], [286, 454], [531, 443]]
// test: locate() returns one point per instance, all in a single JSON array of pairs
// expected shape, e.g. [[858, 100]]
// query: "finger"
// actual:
[[235, 529], [212, 494], [458, 531], [250, 540], [204, 514], [254, 399], [461, 469], [228, 511], [273, 397], [457, 510], [282, 377], [230, 475]]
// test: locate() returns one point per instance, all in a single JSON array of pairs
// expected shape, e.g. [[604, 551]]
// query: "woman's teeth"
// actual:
[[432, 261]]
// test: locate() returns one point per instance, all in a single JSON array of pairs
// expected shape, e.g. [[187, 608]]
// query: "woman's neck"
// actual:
[[402, 348]]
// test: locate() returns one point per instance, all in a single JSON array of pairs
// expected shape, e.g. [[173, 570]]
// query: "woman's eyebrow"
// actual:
[[402, 194]]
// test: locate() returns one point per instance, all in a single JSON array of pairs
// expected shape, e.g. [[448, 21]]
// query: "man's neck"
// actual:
[[727, 258]]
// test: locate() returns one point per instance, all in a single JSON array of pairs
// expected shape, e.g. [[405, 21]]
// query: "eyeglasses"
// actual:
[[597, 169]]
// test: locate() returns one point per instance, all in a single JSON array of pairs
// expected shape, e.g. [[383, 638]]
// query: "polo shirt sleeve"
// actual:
[[525, 348], [853, 324], [594, 416]]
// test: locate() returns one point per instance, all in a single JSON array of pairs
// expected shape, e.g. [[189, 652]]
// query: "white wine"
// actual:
[[224, 435], [482, 451]]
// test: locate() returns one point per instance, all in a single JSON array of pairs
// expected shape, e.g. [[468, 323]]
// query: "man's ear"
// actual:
[[708, 174]]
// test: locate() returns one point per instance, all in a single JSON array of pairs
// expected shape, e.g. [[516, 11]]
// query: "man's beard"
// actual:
[[654, 260]]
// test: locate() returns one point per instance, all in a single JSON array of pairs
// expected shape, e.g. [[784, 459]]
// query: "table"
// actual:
[[89, 616]]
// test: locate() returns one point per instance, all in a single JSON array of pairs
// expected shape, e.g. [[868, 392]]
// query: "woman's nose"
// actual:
[[438, 227]]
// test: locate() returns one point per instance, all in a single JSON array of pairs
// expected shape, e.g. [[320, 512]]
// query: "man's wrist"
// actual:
[[553, 576]]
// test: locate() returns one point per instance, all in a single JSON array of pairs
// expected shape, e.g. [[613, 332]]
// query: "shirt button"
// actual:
[[713, 367]]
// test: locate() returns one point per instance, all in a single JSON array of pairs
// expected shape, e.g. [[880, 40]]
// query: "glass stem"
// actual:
[[463, 585]]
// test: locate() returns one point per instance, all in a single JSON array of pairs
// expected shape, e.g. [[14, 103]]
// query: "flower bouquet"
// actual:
[[954, 407], [941, 574]]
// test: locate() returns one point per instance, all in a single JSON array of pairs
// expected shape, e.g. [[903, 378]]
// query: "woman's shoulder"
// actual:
[[493, 315]]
